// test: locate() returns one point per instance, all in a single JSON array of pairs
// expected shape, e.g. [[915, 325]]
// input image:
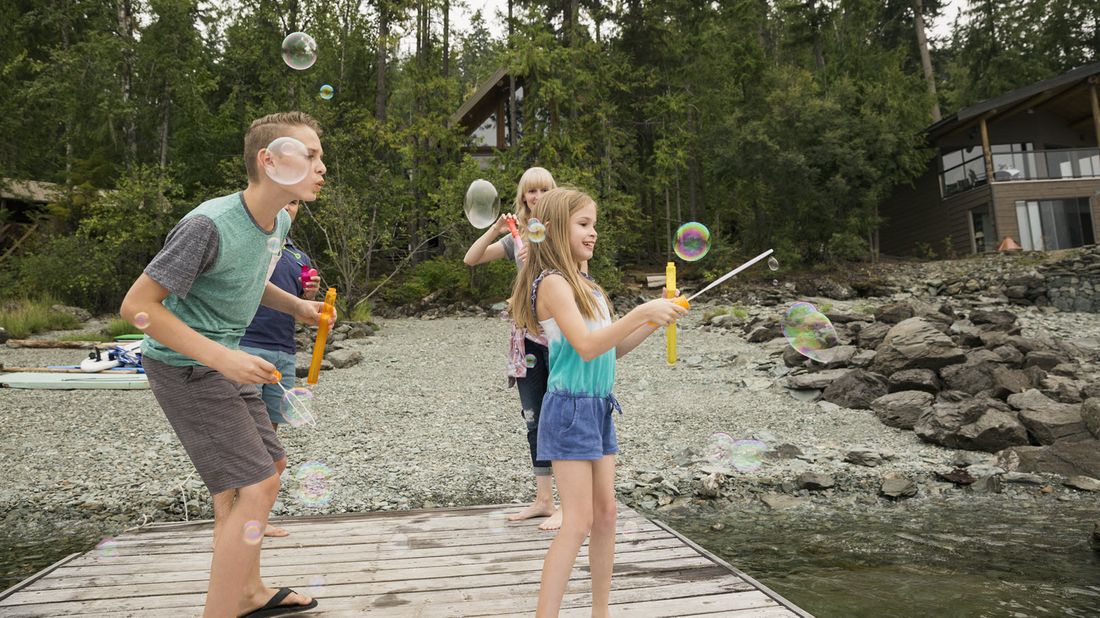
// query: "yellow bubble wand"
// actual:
[[670, 330], [328, 312]]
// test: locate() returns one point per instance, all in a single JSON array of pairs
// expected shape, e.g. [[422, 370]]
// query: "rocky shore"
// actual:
[[931, 396]]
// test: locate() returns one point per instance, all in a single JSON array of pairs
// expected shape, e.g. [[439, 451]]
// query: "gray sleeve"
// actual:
[[190, 250], [509, 245]]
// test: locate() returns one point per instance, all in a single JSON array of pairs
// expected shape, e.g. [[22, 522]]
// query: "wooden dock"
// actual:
[[432, 563]]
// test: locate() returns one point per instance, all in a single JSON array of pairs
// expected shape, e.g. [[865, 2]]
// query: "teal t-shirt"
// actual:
[[215, 265]]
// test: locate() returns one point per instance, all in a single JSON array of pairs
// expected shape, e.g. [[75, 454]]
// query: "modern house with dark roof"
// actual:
[[21, 201], [1024, 165]]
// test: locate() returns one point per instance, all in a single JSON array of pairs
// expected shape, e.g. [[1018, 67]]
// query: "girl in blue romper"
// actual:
[[576, 431]]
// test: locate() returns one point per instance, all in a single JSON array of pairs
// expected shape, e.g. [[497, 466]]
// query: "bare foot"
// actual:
[[275, 531], [537, 509], [553, 523], [253, 602]]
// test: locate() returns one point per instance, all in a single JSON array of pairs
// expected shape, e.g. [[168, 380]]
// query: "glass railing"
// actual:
[[1029, 165]]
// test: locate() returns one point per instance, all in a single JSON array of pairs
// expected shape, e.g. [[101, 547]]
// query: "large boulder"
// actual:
[[1043, 359], [857, 389], [915, 380], [1047, 420], [345, 358], [915, 344], [903, 408], [816, 379], [1064, 458], [871, 335], [894, 313], [996, 320], [1090, 414], [77, 313], [982, 424]]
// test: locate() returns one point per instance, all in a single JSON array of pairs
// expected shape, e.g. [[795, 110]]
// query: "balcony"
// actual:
[[1054, 164]]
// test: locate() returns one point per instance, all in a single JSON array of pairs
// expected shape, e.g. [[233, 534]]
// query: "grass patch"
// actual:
[[118, 327], [25, 317], [736, 311], [85, 336]]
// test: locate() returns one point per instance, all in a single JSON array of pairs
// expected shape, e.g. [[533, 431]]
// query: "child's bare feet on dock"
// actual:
[[553, 523], [275, 531], [536, 509]]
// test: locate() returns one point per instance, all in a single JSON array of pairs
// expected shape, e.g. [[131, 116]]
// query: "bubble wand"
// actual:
[[327, 314], [670, 330], [515, 237], [293, 398], [686, 302]]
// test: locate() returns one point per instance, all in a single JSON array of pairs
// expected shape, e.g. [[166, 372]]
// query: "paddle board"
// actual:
[[75, 381]]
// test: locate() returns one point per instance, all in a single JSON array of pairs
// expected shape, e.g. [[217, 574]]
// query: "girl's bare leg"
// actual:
[[575, 491], [601, 545]]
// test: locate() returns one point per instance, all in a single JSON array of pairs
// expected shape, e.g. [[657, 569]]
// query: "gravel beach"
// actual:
[[426, 420]]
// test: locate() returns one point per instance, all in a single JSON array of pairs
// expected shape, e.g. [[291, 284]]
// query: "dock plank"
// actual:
[[444, 563]]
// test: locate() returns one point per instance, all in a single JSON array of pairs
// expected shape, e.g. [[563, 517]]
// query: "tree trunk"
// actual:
[[380, 60], [446, 37], [126, 78], [164, 123], [925, 57]]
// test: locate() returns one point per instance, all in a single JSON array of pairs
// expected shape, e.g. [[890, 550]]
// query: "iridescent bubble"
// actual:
[[692, 241], [274, 244], [314, 484], [719, 447], [810, 332], [288, 161], [482, 203], [529, 360], [747, 455], [498, 522], [773, 263], [298, 406], [253, 532], [299, 51], [141, 320], [327, 92], [316, 586], [536, 231], [106, 550]]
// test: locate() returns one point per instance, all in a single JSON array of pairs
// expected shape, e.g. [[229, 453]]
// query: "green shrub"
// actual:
[[492, 282], [847, 247], [22, 318], [76, 270]]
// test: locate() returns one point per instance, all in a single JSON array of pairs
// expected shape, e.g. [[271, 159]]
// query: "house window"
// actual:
[[982, 225], [961, 170], [1014, 161], [1046, 225]]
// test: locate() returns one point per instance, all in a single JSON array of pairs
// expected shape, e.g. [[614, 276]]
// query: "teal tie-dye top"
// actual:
[[571, 373]]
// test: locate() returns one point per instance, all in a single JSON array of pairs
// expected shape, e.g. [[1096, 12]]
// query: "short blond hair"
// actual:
[[533, 178], [263, 130]]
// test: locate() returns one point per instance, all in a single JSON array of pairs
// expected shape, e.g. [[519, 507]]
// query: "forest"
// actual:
[[776, 123]]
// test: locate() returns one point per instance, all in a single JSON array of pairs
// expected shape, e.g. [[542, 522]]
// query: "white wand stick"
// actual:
[[732, 273]]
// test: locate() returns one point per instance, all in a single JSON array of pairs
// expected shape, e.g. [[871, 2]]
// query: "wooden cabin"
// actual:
[[487, 116], [21, 201], [1023, 165]]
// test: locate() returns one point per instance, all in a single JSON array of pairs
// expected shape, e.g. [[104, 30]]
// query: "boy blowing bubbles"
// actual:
[[194, 300]]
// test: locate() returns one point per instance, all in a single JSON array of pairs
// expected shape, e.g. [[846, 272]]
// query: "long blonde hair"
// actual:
[[533, 178], [554, 210]]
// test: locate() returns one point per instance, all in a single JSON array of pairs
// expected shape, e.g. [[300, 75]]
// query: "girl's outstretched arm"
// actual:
[[555, 299], [484, 249], [635, 339]]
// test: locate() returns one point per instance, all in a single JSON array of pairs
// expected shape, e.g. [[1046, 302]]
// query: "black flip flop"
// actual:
[[272, 607]]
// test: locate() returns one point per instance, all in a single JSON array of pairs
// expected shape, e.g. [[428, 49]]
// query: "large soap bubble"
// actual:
[[299, 51], [810, 332], [692, 241], [289, 161], [482, 203]]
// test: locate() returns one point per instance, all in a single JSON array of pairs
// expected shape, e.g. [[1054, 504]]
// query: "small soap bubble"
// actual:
[[482, 203], [316, 586], [288, 161], [719, 447], [299, 51], [326, 92], [809, 332], [498, 522], [773, 263], [314, 484], [106, 550], [529, 360], [747, 455], [253, 532], [298, 406], [141, 320], [775, 281], [536, 230], [692, 241], [274, 244]]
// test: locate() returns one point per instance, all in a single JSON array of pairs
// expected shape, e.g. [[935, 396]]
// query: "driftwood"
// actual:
[[52, 343], [60, 370]]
